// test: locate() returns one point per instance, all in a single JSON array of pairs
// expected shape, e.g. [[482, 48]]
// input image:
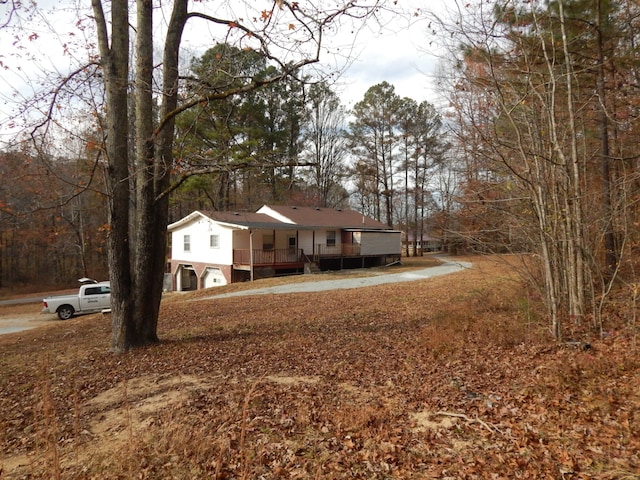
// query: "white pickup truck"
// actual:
[[91, 298]]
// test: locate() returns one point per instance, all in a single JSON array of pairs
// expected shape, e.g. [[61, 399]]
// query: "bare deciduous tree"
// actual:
[[526, 75], [287, 34]]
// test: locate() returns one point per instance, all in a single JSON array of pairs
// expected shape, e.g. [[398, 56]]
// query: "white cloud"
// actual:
[[396, 59], [401, 53], [398, 55]]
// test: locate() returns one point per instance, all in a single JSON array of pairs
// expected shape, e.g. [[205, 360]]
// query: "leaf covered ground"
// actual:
[[454, 377]]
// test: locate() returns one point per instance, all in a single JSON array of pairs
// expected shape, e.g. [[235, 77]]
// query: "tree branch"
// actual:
[[492, 428], [56, 92], [254, 85]]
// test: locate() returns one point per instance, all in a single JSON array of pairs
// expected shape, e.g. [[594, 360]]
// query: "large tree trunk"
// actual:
[[137, 239], [154, 166], [611, 256], [115, 65], [146, 280]]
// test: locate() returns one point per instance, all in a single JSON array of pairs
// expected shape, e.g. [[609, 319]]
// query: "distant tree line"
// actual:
[[534, 153], [52, 221], [291, 142]]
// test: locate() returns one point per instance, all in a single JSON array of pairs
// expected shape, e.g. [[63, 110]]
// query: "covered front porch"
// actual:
[[256, 263], [291, 257], [244, 259], [266, 252]]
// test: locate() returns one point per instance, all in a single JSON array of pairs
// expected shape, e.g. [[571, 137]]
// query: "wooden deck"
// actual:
[[336, 251], [276, 258], [290, 257]]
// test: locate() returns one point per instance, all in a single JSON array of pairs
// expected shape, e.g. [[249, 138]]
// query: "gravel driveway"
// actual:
[[17, 323], [448, 266]]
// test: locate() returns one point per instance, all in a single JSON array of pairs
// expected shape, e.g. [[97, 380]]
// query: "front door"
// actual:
[[292, 243]]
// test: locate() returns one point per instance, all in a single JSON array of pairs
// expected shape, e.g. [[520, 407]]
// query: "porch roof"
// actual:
[[377, 230], [341, 218]]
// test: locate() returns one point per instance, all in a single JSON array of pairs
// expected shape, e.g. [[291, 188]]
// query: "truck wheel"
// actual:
[[65, 312]]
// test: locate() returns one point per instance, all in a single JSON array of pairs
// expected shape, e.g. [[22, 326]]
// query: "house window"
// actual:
[[331, 238], [267, 242], [187, 243], [214, 241]]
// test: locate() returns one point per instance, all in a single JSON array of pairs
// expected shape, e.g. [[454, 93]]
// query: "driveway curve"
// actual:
[[448, 266]]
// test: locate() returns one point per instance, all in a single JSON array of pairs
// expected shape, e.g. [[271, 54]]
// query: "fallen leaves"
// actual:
[[418, 380]]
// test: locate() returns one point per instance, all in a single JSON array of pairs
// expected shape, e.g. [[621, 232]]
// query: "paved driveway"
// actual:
[[448, 266]]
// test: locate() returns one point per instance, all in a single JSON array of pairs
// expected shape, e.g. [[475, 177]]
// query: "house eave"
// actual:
[[379, 230], [184, 221]]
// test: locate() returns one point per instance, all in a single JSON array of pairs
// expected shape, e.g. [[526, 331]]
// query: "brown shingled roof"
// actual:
[[327, 217]]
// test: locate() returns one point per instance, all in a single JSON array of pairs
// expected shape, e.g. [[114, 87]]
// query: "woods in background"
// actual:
[[534, 152]]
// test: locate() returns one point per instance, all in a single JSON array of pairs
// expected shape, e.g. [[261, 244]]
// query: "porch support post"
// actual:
[[251, 255]]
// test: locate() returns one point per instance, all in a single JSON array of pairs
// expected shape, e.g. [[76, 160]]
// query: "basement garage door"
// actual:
[[187, 278], [213, 277]]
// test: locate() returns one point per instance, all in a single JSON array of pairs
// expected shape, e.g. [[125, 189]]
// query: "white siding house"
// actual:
[[215, 248]]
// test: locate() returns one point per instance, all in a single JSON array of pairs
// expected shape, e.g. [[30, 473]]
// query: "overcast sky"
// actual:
[[402, 53], [402, 59], [399, 55]]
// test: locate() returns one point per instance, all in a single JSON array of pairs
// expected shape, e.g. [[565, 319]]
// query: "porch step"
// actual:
[[311, 268]]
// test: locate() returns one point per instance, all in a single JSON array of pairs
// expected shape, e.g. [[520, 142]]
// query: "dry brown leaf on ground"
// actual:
[[451, 377]]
